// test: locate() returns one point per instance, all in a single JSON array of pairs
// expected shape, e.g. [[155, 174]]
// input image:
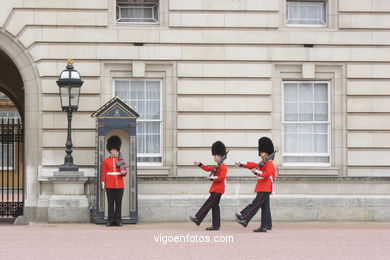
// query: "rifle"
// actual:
[[223, 158], [120, 163], [268, 158]]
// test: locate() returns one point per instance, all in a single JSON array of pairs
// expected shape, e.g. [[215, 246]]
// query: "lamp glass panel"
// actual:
[[75, 75], [74, 96], [64, 96], [64, 74]]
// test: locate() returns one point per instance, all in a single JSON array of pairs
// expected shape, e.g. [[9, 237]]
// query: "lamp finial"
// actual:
[[69, 61]]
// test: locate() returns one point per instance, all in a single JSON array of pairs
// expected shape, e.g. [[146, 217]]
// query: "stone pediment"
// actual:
[[116, 108]]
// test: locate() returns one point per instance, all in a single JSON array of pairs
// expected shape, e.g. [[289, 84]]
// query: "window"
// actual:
[[306, 12], [306, 123], [145, 97], [137, 11]]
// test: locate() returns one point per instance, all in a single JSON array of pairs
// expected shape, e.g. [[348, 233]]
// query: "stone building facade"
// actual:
[[312, 75]]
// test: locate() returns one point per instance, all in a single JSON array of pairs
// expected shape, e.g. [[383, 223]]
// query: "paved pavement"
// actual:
[[156, 241]]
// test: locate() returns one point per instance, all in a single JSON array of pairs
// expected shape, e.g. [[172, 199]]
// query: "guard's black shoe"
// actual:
[[269, 228], [212, 228], [239, 216], [260, 229], [195, 220], [108, 224], [242, 222], [119, 224]]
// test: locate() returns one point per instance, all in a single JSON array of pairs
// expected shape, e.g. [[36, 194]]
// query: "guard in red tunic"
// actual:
[[112, 181], [265, 176], [218, 150]]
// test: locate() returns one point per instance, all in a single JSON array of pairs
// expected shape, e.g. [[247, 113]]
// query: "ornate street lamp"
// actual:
[[69, 84]]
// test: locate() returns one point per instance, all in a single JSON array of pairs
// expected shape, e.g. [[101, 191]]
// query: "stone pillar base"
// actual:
[[68, 204], [68, 209]]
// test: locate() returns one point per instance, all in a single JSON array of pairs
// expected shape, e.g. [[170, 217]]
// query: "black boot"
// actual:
[[212, 228], [195, 220], [260, 229], [242, 222]]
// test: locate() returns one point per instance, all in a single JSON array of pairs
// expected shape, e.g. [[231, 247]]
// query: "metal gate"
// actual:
[[11, 167]]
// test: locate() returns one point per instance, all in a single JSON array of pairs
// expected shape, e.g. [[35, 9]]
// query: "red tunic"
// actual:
[[268, 170], [112, 181], [218, 185]]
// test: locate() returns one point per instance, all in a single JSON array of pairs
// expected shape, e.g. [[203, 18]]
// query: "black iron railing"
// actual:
[[11, 167]]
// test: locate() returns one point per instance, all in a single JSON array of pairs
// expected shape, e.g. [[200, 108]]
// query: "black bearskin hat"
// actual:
[[218, 148], [266, 145], [114, 142]]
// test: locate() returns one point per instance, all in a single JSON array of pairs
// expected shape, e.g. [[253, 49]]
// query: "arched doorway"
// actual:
[[19, 81], [11, 139]]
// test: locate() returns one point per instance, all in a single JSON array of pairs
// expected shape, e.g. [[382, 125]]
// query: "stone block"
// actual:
[[185, 4], [59, 34], [160, 52], [86, 4], [95, 35], [19, 20], [203, 52], [180, 36], [138, 68], [200, 20], [368, 87], [248, 121], [57, 120], [251, 20], [68, 209], [246, 53], [261, 5], [200, 86], [57, 138], [30, 35], [368, 158], [248, 86], [351, 6], [368, 122], [197, 121], [55, 157], [45, 18], [369, 104], [380, 5]]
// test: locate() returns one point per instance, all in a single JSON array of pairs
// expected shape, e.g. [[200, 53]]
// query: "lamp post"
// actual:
[[69, 83]]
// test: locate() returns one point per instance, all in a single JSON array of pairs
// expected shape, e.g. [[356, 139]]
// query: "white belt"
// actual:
[[262, 178], [114, 173]]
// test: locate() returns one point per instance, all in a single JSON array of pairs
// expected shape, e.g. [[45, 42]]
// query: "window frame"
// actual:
[[329, 122], [157, 2], [161, 120], [326, 16]]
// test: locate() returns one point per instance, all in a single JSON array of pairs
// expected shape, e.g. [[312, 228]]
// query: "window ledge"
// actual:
[[308, 171]]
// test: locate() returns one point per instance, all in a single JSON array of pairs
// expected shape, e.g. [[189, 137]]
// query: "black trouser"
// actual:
[[211, 203], [266, 213], [114, 197], [261, 201]]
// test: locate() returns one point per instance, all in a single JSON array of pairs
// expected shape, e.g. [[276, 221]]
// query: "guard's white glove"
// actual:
[[257, 172], [103, 186]]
